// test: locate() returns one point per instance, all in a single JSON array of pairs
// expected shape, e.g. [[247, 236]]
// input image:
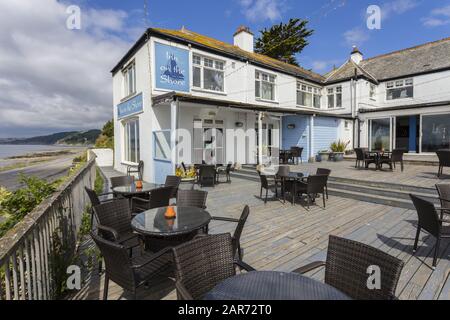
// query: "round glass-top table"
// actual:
[[272, 285], [187, 221], [298, 175], [131, 189]]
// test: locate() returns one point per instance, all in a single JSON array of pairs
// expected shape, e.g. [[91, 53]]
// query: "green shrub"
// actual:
[[19, 203], [99, 182], [339, 146]]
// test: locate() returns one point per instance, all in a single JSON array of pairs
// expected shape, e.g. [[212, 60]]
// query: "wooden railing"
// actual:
[[32, 253]]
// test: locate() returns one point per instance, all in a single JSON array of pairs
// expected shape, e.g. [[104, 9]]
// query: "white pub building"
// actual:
[[180, 88]]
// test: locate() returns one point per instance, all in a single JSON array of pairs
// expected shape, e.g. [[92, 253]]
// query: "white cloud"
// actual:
[[261, 10], [438, 17], [356, 36], [397, 7], [53, 78]]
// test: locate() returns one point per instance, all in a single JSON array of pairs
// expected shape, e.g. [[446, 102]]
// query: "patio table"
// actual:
[[296, 176], [378, 154], [159, 232], [272, 285], [130, 191]]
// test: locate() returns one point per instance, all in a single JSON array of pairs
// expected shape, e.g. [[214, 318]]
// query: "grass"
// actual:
[[99, 183]]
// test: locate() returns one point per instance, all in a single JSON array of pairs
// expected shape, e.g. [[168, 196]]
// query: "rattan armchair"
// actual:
[[157, 198], [207, 175], [121, 181], [224, 171], [431, 222], [114, 223], [236, 238], [392, 158], [324, 172], [346, 269], [130, 273], [444, 196], [444, 160], [313, 186], [203, 263], [267, 183], [296, 154], [192, 198], [174, 183], [363, 156], [95, 200]]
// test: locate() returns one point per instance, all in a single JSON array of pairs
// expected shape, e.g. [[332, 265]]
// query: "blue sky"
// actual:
[[54, 78], [337, 23]]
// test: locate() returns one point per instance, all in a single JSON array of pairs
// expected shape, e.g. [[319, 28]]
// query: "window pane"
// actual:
[[267, 91], [197, 60], [317, 101], [308, 99], [162, 145], [257, 89], [213, 80], [400, 93], [436, 132], [330, 101], [300, 98], [138, 145], [339, 100], [381, 134], [132, 142], [196, 77]]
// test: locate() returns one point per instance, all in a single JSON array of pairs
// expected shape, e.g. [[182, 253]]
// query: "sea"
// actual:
[[10, 150]]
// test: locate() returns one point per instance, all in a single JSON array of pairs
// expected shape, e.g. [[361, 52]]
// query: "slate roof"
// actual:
[[425, 58]]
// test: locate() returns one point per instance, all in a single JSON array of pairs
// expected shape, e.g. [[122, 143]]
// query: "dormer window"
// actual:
[[400, 89], [308, 96]]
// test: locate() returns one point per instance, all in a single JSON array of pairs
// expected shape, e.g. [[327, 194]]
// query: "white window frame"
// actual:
[[309, 89], [400, 83], [372, 92], [334, 92], [127, 90], [270, 79], [217, 65], [126, 141]]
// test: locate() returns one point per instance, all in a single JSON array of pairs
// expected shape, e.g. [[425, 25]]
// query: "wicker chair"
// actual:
[[444, 160], [130, 273], [236, 239], [157, 198], [139, 169], [314, 185], [393, 157], [444, 196], [431, 222], [95, 200], [192, 198], [174, 183], [296, 153], [121, 181], [268, 183], [346, 269], [282, 178], [362, 156], [324, 172], [203, 263], [224, 171], [207, 175], [114, 223]]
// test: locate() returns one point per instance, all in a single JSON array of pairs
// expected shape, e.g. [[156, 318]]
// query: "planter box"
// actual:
[[337, 156], [323, 156]]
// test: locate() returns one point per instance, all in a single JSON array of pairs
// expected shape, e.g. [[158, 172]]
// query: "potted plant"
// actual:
[[323, 155], [338, 149]]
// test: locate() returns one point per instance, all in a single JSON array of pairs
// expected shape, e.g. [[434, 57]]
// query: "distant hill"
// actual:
[[69, 138]]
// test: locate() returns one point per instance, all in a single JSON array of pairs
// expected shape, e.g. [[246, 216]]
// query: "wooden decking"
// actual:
[[283, 237]]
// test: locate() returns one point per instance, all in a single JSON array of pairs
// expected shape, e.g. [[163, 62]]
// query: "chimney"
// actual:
[[356, 55], [243, 38]]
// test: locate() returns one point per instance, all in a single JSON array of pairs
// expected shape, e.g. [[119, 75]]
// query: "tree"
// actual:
[[106, 138], [108, 129], [284, 41]]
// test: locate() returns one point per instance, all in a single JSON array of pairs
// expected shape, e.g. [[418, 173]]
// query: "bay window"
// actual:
[[265, 86], [132, 148], [400, 89], [308, 96], [208, 73]]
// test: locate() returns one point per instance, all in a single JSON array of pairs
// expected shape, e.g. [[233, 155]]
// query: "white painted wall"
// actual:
[[104, 157]]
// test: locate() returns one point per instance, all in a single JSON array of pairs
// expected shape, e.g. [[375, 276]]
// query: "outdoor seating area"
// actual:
[[167, 245]]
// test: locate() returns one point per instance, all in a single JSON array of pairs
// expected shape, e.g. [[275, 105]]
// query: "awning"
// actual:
[[177, 96]]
